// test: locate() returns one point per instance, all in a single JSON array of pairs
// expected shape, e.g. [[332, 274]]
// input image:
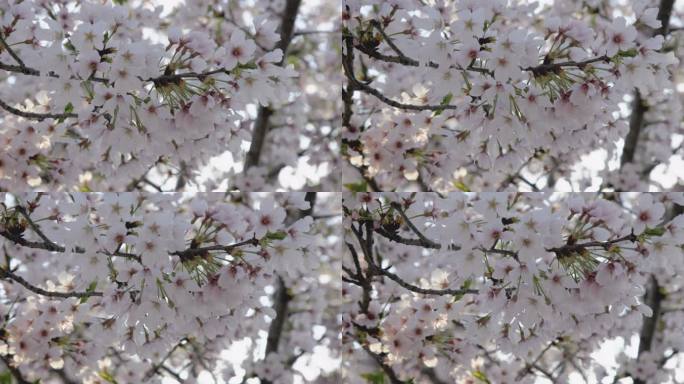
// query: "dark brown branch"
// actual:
[[366, 246], [258, 137], [639, 108], [570, 249], [533, 365], [664, 14], [11, 51], [431, 374], [281, 298], [261, 125], [63, 376], [394, 379], [160, 365], [348, 65], [173, 373], [416, 289], [409, 223], [19, 69], [34, 72], [34, 115], [49, 245], [14, 370], [364, 281], [19, 240], [182, 177], [190, 253], [543, 69], [35, 227], [402, 59], [565, 250], [406, 241], [6, 274], [636, 123], [347, 102], [653, 299]]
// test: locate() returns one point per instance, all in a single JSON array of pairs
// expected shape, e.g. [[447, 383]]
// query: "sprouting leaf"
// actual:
[[106, 376], [280, 235], [357, 187], [445, 101], [481, 376], [6, 377], [628, 53], [461, 186], [374, 377], [658, 231], [91, 288]]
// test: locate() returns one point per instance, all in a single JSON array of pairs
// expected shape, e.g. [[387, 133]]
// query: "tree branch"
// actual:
[[190, 253], [160, 365], [7, 274], [424, 291], [11, 52], [14, 370], [263, 115], [49, 245], [366, 247], [34, 115], [282, 297], [639, 108], [394, 379], [636, 122], [402, 59], [348, 66], [653, 298], [413, 228]]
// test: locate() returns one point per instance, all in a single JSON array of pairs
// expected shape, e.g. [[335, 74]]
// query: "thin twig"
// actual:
[[34, 115], [11, 51], [7, 274]]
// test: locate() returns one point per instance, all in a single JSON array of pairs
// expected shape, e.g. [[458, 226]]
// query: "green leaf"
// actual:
[[445, 101], [374, 377], [465, 286], [658, 231], [120, 2], [6, 377], [70, 46], [67, 109], [357, 187], [106, 376], [91, 288], [84, 188], [460, 186], [280, 235], [628, 53], [481, 376]]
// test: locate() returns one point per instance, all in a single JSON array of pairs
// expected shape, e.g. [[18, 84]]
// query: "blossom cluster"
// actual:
[[475, 94], [113, 285], [97, 95], [481, 286]]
